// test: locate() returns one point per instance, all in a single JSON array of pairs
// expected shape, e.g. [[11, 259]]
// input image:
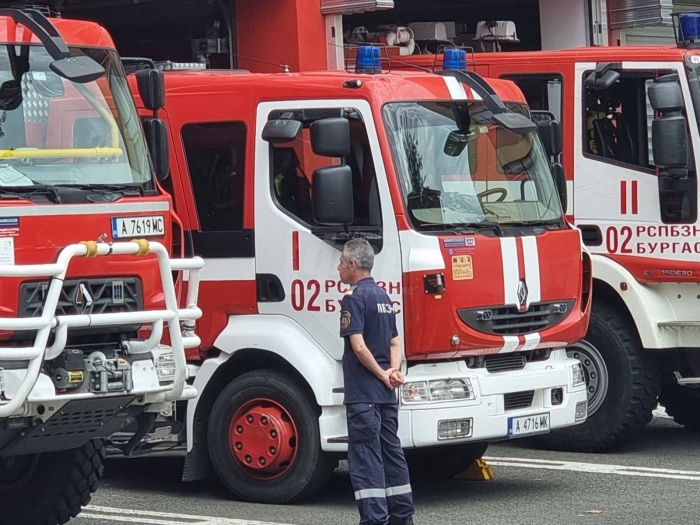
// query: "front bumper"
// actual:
[[489, 418]]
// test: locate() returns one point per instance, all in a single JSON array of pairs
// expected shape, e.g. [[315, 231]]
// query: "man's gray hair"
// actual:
[[360, 251]]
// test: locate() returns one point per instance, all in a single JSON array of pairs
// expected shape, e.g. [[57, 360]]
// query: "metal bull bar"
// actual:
[[48, 321]]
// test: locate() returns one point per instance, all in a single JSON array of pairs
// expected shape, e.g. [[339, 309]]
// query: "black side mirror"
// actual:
[[604, 76], [332, 195], [669, 130], [80, 70], [151, 85], [550, 133], [279, 131], [560, 182], [156, 132], [330, 137]]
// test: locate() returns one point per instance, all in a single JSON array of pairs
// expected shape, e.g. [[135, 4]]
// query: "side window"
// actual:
[[617, 121], [292, 166], [542, 92], [215, 159]]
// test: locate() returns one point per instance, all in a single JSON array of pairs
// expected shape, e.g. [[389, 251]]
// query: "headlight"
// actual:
[[438, 390], [165, 367], [579, 378]]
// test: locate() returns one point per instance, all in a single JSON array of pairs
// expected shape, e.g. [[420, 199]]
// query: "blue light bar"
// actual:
[[368, 60], [454, 59], [686, 26]]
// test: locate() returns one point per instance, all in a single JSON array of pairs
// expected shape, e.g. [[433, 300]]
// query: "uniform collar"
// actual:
[[365, 280]]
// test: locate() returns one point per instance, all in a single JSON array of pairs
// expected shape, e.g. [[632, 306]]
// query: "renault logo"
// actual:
[[82, 300], [522, 292]]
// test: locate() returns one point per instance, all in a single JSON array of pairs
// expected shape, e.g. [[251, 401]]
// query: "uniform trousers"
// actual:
[[377, 465]]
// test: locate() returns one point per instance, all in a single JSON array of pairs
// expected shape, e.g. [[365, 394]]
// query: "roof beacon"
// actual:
[[687, 29], [454, 60], [368, 60]]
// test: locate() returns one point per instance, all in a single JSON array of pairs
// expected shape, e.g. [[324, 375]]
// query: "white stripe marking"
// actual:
[[397, 491], [595, 468], [509, 262], [370, 493], [531, 341], [455, 88], [143, 516], [82, 209], [532, 270], [510, 343]]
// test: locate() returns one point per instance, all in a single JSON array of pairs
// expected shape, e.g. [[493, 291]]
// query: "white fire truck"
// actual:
[[85, 236], [447, 178]]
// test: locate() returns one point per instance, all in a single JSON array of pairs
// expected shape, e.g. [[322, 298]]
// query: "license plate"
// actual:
[[520, 426], [153, 226]]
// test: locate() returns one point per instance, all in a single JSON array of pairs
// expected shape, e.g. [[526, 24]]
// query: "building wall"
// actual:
[[564, 23]]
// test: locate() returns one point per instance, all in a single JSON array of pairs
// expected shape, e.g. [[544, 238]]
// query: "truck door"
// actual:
[[623, 203], [296, 258]]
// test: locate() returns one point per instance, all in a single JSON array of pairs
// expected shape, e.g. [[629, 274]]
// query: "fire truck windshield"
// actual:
[[55, 133], [457, 167]]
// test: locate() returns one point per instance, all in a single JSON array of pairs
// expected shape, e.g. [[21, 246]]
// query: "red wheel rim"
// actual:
[[263, 438]]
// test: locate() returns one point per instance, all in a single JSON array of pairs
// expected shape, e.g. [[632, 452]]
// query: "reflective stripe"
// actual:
[[370, 493], [397, 491]]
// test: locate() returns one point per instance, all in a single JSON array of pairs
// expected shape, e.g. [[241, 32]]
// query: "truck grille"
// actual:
[[505, 363], [516, 400], [84, 296], [510, 321]]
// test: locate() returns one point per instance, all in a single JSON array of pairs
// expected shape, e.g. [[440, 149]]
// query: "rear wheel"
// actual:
[[622, 386], [50, 488], [433, 463], [264, 439]]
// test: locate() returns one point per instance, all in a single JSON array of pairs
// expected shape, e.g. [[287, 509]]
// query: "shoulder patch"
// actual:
[[349, 292], [344, 319]]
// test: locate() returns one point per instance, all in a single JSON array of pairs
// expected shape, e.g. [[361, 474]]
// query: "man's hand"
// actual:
[[386, 377], [396, 378]]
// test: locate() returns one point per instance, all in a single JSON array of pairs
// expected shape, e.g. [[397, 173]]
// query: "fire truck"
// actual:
[[90, 324], [448, 180], [630, 127]]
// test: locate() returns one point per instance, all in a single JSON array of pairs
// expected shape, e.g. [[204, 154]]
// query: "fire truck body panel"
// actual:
[[271, 293]]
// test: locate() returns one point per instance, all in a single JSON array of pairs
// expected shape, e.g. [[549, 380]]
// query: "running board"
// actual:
[[687, 381]]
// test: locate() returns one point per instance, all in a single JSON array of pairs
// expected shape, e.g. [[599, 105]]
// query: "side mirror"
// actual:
[[330, 137], [669, 130], [550, 133], [280, 131], [560, 182], [80, 70], [156, 132], [604, 76], [151, 85], [332, 195]]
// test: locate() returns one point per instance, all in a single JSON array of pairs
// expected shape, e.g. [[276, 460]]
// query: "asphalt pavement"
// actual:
[[655, 480]]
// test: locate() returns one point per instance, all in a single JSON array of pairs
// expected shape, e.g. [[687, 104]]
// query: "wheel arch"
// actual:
[[252, 343]]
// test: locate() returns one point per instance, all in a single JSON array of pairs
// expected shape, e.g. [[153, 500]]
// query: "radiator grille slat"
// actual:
[[509, 320], [505, 363], [517, 400]]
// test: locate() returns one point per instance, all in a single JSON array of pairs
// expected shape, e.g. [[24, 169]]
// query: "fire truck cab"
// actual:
[[631, 144], [87, 285], [447, 178]]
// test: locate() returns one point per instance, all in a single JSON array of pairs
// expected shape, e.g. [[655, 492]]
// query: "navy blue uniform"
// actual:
[[377, 465]]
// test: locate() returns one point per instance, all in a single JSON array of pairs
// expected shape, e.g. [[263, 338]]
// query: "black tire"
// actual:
[[51, 488], [434, 463], [622, 382], [682, 404], [301, 476]]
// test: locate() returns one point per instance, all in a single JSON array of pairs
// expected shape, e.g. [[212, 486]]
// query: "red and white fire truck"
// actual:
[[272, 173], [85, 236], [631, 147]]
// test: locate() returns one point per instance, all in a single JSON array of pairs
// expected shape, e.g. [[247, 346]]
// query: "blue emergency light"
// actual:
[[368, 60], [454, 60], [687, 29]]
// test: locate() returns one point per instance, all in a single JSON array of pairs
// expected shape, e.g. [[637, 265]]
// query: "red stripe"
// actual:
[[521, 257], [295, 251], [635, 198], [623, 197]]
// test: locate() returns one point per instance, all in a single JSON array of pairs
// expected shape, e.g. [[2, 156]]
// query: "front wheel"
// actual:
[[622, 386], [434, 463], [264, 439], [50, 488]]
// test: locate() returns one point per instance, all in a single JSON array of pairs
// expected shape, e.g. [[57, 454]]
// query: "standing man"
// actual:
[[371, 371]]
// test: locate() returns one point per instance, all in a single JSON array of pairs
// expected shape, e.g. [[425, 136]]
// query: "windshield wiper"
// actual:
[[24, 191], [542, 222], [463, 227], [124, 189]]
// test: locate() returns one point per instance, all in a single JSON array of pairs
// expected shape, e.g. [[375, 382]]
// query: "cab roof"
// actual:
[[74, 32]]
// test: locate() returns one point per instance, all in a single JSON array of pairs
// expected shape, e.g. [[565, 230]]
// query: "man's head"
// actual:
[[356, 261]]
